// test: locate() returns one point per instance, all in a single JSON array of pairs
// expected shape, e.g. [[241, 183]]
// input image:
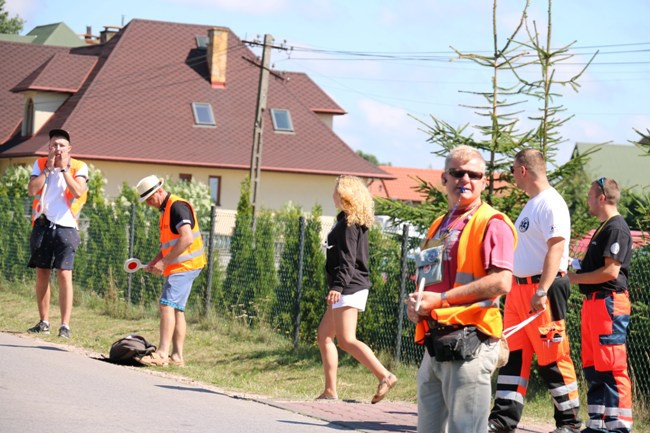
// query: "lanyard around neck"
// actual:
[[446, 229], [602, 225]]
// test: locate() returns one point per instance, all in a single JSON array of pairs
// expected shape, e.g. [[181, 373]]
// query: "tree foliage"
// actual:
[[13, 182], [500, 137], [368, 157], [238, 284], [12, 26]]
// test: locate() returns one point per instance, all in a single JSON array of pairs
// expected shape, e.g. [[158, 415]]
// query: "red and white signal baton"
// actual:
[[131, 265]]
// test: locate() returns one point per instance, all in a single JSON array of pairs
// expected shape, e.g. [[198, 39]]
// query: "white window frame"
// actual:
[[196, 106], [279, 112]]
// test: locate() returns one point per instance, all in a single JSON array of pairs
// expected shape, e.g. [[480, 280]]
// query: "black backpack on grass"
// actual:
[[125, 350]]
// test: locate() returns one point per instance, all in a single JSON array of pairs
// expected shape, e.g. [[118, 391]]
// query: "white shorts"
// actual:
[[356, 300]]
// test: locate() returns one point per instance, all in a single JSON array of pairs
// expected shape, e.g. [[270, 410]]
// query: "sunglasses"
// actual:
[[512, 168], [459, 174], [601, 184]]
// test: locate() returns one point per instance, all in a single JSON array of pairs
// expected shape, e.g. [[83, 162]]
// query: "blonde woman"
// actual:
[[348, 282]]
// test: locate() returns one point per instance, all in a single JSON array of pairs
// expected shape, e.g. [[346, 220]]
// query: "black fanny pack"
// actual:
[[42, 221], [453, 343]]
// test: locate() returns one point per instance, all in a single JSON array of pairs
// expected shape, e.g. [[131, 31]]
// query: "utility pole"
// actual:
[[256, 153]]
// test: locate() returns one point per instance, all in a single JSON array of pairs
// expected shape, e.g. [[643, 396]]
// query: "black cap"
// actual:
[[60, 133]]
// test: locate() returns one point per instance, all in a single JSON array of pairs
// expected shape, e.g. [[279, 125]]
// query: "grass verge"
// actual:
[[230, 355]]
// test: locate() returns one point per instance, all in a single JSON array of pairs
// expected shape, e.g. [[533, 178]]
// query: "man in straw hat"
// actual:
[[58, 185], [180, 260]]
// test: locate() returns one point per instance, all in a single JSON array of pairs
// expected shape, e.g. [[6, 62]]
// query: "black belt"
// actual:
[[534, 279], [43, 221], [602, 294]]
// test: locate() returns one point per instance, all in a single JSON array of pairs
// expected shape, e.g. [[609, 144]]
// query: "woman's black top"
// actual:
[[347, 257]]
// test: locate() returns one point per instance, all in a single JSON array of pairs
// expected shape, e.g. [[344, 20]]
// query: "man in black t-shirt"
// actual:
[[180, 261], [602, 278]]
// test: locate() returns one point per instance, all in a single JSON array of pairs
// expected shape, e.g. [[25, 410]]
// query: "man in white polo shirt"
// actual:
[[540, 284]]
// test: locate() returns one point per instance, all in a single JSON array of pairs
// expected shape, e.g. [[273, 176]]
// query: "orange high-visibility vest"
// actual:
[[74, 204], [193, 257], [485, 315]]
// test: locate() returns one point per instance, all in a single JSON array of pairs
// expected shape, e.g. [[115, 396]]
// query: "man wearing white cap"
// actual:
[[180, 260]]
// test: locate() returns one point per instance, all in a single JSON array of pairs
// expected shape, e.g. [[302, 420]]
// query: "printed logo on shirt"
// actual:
[[615, 248], [524, 224]]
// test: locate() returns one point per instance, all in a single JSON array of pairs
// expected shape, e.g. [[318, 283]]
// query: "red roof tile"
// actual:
[[20, 60], [63, 72], [136, 106], [402, 186], [639, 239]]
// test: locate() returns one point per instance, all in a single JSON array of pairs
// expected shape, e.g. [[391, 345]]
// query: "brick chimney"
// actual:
[[108, 32], [217, 56]]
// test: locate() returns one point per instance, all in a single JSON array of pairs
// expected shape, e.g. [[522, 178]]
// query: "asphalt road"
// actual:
[[46, 387]]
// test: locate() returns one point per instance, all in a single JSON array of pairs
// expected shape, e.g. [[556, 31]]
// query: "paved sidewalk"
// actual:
[[383, 417]]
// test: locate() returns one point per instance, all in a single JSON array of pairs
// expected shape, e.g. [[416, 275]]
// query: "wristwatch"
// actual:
[[63, 170], [443, 300], [541, 292]]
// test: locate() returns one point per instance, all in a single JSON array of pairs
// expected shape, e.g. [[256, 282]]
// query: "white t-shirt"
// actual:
[[545, 216], [55, 208]]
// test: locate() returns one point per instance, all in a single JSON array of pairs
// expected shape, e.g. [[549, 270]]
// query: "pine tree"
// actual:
[[265, 277], [499, 138], [314, 283], [238, 287]]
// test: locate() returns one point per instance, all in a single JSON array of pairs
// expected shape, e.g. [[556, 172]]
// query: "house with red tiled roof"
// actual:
[[175, 100], [579, 246], [403, 186]]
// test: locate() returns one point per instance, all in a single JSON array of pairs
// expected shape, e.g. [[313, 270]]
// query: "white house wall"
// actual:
[[45, 104]]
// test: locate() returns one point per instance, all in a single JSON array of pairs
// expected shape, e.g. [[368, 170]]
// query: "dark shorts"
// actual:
[[53, 246]]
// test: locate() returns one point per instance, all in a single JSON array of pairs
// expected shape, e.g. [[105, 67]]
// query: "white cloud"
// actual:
[[381, 116]]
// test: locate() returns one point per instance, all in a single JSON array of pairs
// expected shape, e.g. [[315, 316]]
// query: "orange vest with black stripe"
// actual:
[[74, 204], [485, 315], [193, 257]]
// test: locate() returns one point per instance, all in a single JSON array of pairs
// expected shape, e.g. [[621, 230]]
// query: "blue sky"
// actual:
[[331, 40]]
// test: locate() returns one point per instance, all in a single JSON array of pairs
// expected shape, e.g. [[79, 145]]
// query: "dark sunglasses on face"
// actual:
[[459, 174]]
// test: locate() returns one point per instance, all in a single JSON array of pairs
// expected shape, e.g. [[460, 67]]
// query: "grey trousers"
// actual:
[[455, 396]]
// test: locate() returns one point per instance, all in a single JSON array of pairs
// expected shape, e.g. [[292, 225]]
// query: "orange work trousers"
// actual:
[[605, 318], [545, 337]]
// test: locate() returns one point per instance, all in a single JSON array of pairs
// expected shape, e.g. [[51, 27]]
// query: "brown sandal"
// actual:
[[154, 360], [384, 386], [324, 396], [176, 363]]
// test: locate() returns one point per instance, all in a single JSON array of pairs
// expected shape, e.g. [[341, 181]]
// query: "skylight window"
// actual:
[[203, 115], [202, 42], [281, 120]]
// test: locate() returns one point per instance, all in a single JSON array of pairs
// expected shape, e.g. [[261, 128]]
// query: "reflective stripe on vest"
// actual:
[[193, 257], [485, 315]]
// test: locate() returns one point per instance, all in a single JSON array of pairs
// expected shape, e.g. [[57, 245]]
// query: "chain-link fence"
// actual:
[[276, 275]]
